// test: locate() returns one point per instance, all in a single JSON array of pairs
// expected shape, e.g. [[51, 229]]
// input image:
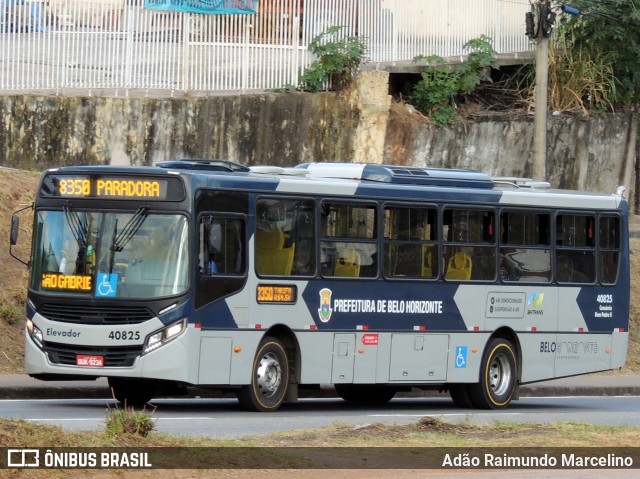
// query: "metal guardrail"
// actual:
[[58, 46]]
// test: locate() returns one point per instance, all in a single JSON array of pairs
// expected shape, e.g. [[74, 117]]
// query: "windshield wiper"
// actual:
[[129, 230], [78, 229], [121, 239]]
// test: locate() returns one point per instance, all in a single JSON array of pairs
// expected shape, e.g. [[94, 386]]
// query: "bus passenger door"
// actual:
[[419, 357], [343, 358]]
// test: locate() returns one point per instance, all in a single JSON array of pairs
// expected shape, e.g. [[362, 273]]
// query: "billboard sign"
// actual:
[[204, 6]]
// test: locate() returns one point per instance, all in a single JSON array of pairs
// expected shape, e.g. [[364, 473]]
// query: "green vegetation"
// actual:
[[443, 86], [122, 421], [578, 79], [593, 66], [10, 313], [606, 35], [339, 58], [581, 76], [593, 58], [425, 432]]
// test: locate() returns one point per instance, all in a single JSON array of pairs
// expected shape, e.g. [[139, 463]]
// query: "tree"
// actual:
[[442, 85], [338, 60], [610, 29]]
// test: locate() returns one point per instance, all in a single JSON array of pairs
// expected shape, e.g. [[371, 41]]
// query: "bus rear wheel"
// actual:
[[365, 394], [133, 392], [269, 380], [498, 376]]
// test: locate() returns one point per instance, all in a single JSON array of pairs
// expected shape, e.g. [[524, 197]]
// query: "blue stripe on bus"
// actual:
[[381, 306], [604, 309]]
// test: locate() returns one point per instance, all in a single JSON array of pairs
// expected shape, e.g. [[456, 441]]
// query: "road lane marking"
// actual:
[[475, 413], [196, 418]]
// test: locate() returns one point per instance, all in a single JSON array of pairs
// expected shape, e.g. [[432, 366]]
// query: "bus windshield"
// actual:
[[110, 254]]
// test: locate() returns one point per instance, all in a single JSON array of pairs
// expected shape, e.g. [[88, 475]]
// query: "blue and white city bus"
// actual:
[[371, 278]]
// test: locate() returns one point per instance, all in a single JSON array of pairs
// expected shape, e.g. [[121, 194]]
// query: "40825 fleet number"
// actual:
[[605, 298], [124, 335]]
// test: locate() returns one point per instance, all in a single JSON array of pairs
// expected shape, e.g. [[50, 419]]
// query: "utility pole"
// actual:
[[539, 26]]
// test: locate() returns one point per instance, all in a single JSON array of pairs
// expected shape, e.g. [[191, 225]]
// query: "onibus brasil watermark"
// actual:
[[34, 458], [297, 457]]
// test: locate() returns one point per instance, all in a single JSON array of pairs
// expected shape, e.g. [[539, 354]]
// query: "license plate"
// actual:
[[90, 361]]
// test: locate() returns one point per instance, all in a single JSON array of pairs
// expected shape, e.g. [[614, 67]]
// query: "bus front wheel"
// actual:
[[269, 380], [498, 376]]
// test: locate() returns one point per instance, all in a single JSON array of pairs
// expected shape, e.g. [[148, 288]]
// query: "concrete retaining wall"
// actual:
[[361, 124], [595, 154]]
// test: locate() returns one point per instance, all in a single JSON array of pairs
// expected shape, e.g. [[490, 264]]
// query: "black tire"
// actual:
[[365, 394], [269, 379], [498, 376], [461, 395], [133, 392]]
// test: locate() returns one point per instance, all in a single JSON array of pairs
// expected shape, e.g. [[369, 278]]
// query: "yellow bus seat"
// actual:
[[271, 255], [348, 264], [459, 267], [427, 261]]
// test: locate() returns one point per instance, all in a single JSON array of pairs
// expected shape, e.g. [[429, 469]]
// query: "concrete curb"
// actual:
[[17, 386]]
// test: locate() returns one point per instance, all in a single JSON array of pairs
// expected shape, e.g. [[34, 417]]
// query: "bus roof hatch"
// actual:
[[404, 175], [203, 164]]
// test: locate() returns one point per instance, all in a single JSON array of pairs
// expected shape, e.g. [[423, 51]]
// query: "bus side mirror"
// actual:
[[13, 235], [15, 226]]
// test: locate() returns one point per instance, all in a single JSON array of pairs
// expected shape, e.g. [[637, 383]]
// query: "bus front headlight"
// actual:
[[35, 333], [164, 335]]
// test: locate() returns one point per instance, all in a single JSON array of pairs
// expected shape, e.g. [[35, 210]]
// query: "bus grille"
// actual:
[[88, 314], [113, 356]]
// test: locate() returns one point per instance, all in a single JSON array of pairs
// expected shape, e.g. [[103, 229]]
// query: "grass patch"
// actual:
[[11, 314], [126, 420], [425, 432], [434, 432]]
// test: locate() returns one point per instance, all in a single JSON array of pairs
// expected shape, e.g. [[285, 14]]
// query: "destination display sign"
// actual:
[[112, 187], [276, 293], [61, 281]]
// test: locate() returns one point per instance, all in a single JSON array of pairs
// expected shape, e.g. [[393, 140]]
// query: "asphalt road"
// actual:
[[223, 418]]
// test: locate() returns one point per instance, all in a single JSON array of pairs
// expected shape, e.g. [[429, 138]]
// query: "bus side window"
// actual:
[[284, 239], [525, 253], [348, 246], [469, 253], [575, 249], [221, 250], [609, 242], [410, 250]]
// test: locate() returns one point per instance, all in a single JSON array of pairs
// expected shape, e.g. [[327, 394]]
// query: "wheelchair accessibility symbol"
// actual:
[[461, 356], [107, 284]]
